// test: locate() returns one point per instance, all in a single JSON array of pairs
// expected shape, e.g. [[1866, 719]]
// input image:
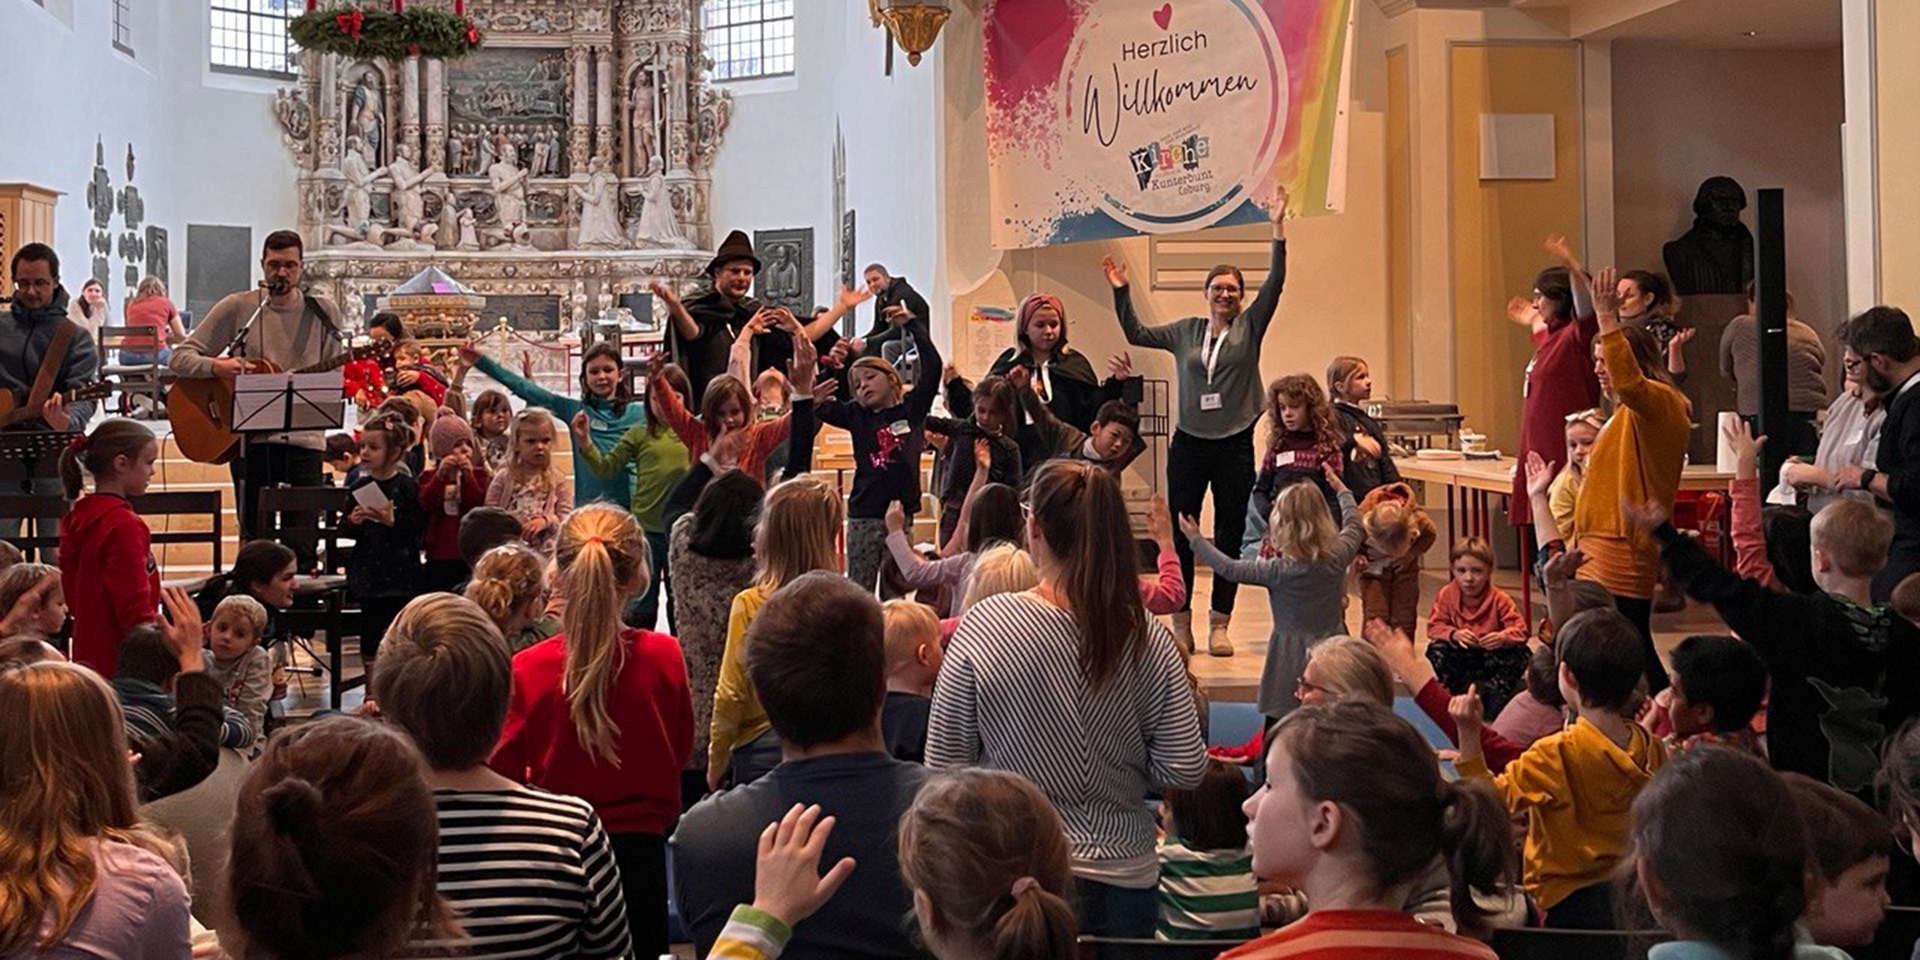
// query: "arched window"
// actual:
[[748, 38], [250, 36]]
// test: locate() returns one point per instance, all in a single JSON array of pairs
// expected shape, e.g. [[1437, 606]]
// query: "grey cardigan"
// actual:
[[1236, 375]]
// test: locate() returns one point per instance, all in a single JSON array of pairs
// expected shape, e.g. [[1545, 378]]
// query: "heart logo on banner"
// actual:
[[1164, 15]]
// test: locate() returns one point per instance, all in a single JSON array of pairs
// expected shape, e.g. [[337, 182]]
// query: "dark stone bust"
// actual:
[[1716, 256]]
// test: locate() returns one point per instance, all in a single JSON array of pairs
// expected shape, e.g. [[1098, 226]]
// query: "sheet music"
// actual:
[[277, 402]]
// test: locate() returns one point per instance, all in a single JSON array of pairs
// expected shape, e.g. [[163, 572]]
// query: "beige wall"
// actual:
[[1767, 118], [1497, 225], [1897, 132]]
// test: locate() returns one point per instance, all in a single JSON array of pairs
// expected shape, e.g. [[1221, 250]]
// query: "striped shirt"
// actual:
[[1011, 696], [530, 874], [1207, 894], [1360, 935]]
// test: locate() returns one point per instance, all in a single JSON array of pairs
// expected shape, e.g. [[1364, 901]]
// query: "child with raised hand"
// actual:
[[32, 603], [106, 550], [1721, 855], [885, 422], [602, 712], [1583, 429], [531, 487], [982, 850], [1303, 564], [1849, 843], [1842, 667], [1354, 814], [236, 661], [1112, 440], [1369, 461], [991, 425], [385, 570], [727, 406], [454, 487], [1207, 890], [1475, 635], [1399, 533], [604, 396], [991, 514], [658, 460], [1579, 784]]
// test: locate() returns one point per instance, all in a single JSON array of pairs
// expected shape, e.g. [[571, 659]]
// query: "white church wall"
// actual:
[[206, 147]]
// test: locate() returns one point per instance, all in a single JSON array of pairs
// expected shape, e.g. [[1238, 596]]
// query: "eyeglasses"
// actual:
[[1302, 687], [1851, 364]]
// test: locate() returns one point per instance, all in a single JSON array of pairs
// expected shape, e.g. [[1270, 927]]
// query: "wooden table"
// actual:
[[1472, 485]]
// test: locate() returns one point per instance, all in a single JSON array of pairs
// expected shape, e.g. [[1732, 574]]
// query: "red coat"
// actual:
[[651, 706], [443, 529], [107, 570], [1560, 381]]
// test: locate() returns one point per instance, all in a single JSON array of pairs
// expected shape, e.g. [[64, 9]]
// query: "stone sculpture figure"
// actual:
[[366, 118], [599, 209], [509, 184], [360, 180], [658, 226], [409, 207]]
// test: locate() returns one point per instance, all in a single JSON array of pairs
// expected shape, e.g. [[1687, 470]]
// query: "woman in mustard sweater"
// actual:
[[1637, 458]]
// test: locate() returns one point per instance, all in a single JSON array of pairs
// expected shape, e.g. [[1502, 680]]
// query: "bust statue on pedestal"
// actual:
[[1716, 256]]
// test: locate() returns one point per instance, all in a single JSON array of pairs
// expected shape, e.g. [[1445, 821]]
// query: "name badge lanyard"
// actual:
[[1210, 352], [1046, 382]]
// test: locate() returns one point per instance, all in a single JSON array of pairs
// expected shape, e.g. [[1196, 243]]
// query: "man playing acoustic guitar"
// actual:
[[294, 329], [36, 382]]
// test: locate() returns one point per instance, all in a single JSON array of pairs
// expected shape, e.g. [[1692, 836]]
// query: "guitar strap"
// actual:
[[50, 364]]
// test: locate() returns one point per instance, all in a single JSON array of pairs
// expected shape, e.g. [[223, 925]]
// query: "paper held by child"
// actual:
[[370, 495]]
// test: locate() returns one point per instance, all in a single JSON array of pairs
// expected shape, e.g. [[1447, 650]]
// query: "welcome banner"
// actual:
[[1109, 118]]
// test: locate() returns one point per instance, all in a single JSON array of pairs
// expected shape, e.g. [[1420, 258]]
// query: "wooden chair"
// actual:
[[1120, 948], [320, 601], [186, 503], [1513, 943], [44, 510], [135, 379]]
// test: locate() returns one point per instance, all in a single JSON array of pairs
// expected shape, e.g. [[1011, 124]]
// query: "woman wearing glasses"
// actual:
[[1217, 364]]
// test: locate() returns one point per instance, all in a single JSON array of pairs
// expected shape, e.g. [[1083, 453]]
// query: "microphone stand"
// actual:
[[239, 341]]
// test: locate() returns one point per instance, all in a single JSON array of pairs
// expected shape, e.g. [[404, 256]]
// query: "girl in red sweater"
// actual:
[[106, 556], [603, 712], [1354, 814]]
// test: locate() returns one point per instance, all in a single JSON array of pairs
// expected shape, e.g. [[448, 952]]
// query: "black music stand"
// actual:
[[25, 446], [265, 403]]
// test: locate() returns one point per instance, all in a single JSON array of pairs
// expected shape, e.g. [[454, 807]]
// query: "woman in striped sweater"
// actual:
[[530, 872], [1073, 686]]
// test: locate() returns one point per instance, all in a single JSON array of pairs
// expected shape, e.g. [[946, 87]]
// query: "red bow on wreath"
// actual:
[[473, 32], [350, 23]]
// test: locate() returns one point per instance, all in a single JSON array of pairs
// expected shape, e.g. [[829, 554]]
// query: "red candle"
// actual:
[[310, 4], [459, 8], [399, 5]]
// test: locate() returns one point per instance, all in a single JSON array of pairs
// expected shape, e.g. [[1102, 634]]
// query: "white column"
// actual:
[[436, 131], [603, 103], [410, 102], [581, 119]]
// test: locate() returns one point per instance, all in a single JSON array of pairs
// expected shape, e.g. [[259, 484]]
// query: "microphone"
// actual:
[[275, 286]]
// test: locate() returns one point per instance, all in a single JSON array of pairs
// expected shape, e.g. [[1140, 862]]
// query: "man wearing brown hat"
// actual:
[[704, 328]]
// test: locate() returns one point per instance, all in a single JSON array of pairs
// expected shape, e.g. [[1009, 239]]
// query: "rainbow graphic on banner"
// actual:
[[1121, 117]]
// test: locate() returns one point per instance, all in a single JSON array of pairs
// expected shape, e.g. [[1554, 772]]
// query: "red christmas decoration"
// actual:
[[473, 32], [350, 23], [459, 8]]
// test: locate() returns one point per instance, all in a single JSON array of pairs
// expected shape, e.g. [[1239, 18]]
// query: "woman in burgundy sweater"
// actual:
[[603, 712], [1560, 379]]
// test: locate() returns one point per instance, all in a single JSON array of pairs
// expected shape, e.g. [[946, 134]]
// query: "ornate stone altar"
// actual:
[[575, 113]]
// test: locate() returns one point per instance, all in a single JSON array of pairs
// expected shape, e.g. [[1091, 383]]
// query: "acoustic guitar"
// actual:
[[201, 408], [14, 410]]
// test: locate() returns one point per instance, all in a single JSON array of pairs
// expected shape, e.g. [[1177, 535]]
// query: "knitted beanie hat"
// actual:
[[448, 430]]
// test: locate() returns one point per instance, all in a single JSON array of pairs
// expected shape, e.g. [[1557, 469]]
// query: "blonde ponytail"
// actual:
[[600, 549]]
